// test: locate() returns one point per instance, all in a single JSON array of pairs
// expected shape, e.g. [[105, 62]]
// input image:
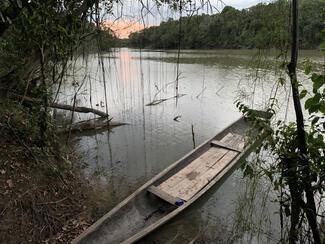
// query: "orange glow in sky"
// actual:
[[122, 28]]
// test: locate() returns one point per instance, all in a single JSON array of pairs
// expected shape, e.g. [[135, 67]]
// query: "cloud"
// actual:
[[123, 28], [133, 16]]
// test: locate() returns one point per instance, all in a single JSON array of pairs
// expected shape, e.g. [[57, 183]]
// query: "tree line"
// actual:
[[261, 26]]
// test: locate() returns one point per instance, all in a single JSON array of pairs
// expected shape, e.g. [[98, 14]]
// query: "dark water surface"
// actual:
[[130, 155]]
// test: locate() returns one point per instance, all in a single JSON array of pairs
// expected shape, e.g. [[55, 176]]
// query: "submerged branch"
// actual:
[[158, 101], [201, 92], [220, 90], [92, 124]]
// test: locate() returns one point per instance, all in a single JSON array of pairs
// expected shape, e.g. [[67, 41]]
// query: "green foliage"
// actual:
[[39, 39], [316, 103], [106, 40], [20, 124], [297, 166], [46, 33], [281, 140], [261, 26]]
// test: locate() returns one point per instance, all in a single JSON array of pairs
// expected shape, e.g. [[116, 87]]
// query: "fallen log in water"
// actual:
[[66, 107], [79, 109], [92, 124]]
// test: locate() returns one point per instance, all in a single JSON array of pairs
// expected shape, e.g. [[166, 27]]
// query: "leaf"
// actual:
[[315, 120], [318, 81], [309, 102], [303, 93], [314, 108], [313, 101], [322, 107], [308, 68]]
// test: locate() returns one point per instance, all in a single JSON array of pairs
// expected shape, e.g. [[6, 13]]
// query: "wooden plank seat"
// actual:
[[192, 178], [164, 195]]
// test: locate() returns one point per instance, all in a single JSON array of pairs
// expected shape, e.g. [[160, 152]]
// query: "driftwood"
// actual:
[[67, 107], [92, 124], [79, 109], [158, 101]]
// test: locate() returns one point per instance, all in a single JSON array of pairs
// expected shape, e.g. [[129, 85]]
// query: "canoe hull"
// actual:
[[142, 213]]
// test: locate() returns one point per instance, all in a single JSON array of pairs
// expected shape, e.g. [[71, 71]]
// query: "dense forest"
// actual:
[[232, 28]]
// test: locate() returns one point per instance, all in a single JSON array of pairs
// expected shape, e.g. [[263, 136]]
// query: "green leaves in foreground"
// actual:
[[303, 93], [280, 141], [318, 81], [316, 103]]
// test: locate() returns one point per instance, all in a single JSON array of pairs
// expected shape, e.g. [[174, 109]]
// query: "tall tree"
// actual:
[[296, 194]]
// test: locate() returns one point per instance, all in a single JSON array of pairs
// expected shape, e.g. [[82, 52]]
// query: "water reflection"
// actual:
[[132, 154]]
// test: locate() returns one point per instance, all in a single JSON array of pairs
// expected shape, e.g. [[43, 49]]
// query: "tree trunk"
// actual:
[[79, 109], [66, 107], [292, 69], [290, 174]]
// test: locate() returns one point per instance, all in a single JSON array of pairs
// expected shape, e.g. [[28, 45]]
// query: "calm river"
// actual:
[[129, 155]]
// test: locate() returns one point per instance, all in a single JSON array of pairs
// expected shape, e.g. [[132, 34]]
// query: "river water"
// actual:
[[128, 156]]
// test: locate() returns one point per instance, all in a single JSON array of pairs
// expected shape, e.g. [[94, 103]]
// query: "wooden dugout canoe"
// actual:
[[174, 189]]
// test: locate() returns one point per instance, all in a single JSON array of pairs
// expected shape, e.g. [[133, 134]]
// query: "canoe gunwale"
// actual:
[[156, 178], [217, 178]]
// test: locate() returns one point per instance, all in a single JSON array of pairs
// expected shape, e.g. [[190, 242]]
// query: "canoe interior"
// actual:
[[190, 180], [144, 208]]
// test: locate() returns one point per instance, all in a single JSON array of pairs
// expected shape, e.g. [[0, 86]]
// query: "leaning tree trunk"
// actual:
[[65, 106], [310, 207]]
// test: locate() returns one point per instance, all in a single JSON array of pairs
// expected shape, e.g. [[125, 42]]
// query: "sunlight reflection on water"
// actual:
[[132, 154]]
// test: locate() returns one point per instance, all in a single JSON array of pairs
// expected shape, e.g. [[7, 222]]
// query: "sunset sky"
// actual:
[[130, 19], [123, 28]]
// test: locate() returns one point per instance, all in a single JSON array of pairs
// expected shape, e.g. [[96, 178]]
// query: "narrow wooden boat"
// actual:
[[174, 189]]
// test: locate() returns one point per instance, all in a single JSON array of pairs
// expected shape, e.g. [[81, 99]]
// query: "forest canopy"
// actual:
[[261, 26]]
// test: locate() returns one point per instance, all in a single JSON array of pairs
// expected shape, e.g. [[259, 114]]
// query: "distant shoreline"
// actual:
[[172, 50]]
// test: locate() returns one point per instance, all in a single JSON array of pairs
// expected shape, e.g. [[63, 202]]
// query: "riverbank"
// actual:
[[45, 197], [41, 198]]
